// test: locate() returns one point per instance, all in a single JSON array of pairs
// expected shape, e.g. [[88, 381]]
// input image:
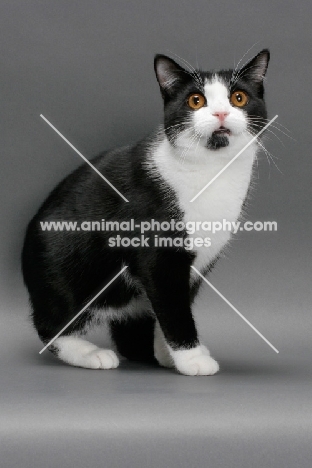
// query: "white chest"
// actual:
[[222, 200]]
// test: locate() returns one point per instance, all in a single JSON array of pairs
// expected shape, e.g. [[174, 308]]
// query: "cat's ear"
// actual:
[[169, 75], [256, 68]]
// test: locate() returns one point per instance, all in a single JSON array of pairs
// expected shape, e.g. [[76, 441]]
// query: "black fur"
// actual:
[[134, 337], [64, 270]]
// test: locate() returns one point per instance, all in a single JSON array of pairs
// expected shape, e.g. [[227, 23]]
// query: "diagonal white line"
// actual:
[[232, 160], [235, 310], [85, 159], [84, 308]]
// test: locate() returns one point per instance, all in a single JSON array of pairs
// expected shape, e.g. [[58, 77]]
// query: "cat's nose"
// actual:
[[221, 115]]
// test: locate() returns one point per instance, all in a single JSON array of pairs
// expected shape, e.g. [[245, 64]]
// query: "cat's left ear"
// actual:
[[256, 68], [170, 75]]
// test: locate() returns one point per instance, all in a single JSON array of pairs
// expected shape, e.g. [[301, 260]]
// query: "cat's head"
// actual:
[[212, 109]]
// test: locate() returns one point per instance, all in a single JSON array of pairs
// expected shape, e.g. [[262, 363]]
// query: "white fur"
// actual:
[[161, 351], [82, 353], [194, 361], [188, 166], [136, 307]]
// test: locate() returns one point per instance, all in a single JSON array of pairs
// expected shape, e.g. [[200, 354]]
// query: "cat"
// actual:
[[208, 118]]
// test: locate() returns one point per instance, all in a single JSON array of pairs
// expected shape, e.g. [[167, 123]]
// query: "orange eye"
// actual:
[[196, 101], [239, 98]]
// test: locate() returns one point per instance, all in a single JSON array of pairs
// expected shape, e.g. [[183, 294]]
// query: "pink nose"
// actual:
[[221, 115]]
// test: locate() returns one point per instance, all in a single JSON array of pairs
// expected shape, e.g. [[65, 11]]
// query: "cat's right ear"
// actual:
[[169, 74]]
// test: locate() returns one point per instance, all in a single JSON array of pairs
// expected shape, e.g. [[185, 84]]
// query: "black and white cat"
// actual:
[[208, 118]]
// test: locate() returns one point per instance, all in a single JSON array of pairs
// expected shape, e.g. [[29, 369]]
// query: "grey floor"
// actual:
[[88, 67], [255, 413]]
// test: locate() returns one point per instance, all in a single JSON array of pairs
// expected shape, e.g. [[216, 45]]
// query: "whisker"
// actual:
[[267, 120], [257, 122], [241, 73], [187, 149], [269, 155], [191, 70], [270, 131], [245, 56]]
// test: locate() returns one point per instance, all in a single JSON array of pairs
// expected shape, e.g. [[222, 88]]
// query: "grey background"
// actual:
[[88, 67]]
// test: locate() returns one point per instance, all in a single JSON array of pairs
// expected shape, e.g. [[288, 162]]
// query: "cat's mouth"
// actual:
[[219, 139], [222, 131]]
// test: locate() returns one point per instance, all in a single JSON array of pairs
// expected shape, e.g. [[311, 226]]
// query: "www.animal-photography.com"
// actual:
[[155, 297]]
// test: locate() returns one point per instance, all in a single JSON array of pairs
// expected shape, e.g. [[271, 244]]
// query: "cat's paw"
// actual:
[[195, 361], [101, 359], [82, 353], [162, 355]]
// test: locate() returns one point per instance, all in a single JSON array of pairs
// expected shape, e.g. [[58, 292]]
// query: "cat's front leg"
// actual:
[[186, 361], [176, 341]]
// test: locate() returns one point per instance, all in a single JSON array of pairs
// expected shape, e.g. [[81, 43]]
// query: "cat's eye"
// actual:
[[239, 98], [196, 101]]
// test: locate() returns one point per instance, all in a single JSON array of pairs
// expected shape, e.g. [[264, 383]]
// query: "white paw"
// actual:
[[82, 353], [195, 361], [161, 351], [101, 359]]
